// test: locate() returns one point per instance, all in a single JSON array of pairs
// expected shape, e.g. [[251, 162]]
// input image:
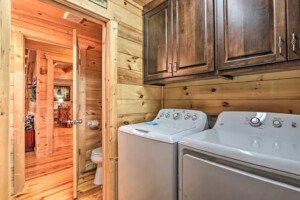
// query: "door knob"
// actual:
[[79, 121]]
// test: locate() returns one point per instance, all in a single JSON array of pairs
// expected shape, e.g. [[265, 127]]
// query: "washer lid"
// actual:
[[165, 132], [170, 125], [269, 146]]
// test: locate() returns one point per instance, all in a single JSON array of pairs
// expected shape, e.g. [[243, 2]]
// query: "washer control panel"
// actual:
[[180, 115]]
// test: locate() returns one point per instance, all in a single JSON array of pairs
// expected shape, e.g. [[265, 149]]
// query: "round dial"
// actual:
[[176, 116], [277, 124], [255, 122], [194, 117], [161, 115], [167, 115], [187, 116]]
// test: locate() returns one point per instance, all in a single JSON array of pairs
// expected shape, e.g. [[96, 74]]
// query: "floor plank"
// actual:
[[52, 177]]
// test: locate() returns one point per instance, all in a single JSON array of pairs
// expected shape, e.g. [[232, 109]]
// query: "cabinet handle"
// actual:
[[294, 42], [170, 65], [280, 45], [175, 66]]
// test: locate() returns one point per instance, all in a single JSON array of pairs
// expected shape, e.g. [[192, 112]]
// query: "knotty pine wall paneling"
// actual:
[[135, 101], [128, 15], [33, 19], [270, 92]]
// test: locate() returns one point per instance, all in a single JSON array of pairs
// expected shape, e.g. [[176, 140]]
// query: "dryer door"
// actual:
[[203, 179]]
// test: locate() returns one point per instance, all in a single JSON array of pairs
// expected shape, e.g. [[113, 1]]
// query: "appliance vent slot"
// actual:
[[73, 18]]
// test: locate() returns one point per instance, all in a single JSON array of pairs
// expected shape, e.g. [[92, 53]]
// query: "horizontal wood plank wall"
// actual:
[[135, 101], [93, 106], [129, 59], [270, 92], [31, 17]]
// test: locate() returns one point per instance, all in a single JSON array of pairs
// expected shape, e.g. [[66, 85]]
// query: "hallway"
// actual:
[[51, 177]]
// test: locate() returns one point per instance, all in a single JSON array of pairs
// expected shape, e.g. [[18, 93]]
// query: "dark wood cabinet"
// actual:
[[293, 29], [188, 39], [158, 42], [250, 32], [193, 49]]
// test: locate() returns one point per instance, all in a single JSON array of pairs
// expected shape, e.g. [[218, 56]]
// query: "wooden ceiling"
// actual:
[[142, 2], [45, 19]]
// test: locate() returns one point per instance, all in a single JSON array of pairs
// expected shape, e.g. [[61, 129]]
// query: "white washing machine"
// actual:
[[148, 154], [246, 156]]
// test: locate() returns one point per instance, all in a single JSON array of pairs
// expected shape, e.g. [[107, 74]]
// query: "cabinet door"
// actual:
[[194, 36], [250, 32], [293, 24], [157, 41]]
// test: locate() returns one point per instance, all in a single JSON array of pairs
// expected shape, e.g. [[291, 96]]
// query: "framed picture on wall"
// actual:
[[102, 3], [62, 92]]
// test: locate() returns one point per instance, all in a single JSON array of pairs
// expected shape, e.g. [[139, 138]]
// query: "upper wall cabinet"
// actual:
[[157, 41], [250, 32], [222, 37], [193, 46], [293, 29], [179, 38]]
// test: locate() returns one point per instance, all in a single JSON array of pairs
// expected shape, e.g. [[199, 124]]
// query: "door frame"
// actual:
[[109, 86], [5, 24]]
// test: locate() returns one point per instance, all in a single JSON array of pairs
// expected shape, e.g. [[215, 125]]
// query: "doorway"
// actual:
[[64, 105]]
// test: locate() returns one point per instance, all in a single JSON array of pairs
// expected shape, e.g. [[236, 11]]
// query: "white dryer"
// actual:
[[147, 154], [247, 155]]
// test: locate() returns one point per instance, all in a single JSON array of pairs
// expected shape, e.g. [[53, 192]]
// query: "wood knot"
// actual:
[[213, 89], [129, 67], [143, 103], [141, 96], [290, 111], [187, 94], [126, 122], [225, 104], [185, 88], [2, 113]]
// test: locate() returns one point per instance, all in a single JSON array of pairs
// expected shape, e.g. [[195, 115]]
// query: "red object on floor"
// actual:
[[29, 140]]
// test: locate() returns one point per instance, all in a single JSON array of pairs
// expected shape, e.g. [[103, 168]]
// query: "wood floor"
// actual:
[[52, 177]]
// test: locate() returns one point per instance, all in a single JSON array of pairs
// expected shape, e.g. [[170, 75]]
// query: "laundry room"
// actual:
[[150, 99]]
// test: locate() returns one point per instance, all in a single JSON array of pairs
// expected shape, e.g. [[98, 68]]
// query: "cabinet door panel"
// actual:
[[158, 42], [248, 32], [293, 22], [194, 38]]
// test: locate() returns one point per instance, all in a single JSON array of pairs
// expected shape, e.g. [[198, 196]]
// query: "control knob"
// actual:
[[194, 117], [176, 116], [277, 124], [167, 115], [161, 115], [255, 122], [187, 116]]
